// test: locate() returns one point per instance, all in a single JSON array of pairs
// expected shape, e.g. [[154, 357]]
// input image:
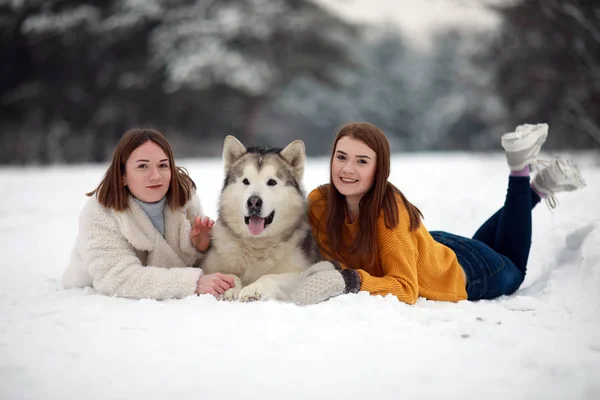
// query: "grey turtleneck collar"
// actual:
[[155, 211]]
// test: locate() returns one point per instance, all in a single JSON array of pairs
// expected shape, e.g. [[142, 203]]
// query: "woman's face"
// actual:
[[353, 168], [148, 173]]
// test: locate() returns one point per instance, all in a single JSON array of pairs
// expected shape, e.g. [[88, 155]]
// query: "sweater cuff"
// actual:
[[336, 265], [352, 280]]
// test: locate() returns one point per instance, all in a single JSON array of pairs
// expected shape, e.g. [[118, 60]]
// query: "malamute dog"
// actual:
[[262, 235]]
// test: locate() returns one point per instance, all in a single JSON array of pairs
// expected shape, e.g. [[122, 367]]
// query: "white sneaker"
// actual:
[[523, 145], [560, 175]]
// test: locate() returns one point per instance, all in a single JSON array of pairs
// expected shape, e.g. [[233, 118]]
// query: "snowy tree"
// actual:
[[379, 91], [78, 80], [240, 54], [79, 73], [459, 108], [438, 98]]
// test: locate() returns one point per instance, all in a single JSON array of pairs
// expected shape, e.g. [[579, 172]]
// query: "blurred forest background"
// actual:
[[76, 74]]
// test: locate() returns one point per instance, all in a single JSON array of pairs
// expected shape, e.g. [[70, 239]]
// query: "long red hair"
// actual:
[[382, 196]]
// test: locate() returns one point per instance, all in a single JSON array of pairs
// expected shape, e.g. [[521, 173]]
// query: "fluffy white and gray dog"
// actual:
[[262, 236]]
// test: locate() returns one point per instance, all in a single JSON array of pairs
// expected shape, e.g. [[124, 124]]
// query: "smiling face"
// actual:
[[353, 168], [262, 195], [148, 173]]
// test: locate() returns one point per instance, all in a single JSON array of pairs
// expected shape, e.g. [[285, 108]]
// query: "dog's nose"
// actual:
[[254, 203]]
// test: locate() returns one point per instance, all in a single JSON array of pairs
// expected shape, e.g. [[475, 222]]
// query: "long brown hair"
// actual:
[[112, 193], [381, 196]]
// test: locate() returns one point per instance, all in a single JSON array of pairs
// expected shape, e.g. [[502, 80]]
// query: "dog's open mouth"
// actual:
[[256, 224]]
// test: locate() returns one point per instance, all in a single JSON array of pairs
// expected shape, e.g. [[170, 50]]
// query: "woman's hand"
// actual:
[[200, 233], [215, 284]]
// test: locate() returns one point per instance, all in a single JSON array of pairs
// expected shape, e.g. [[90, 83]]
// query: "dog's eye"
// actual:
[[246, 181], [271, 182]]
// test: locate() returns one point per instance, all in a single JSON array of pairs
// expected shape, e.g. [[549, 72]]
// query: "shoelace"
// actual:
[[551, 202]]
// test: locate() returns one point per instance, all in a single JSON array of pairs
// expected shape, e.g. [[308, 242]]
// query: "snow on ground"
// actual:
[[541, 343]]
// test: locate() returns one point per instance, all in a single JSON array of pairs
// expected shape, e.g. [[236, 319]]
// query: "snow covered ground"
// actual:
[[541, 343]]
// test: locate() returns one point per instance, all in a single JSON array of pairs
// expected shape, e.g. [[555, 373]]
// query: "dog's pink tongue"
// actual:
[[256, 225]]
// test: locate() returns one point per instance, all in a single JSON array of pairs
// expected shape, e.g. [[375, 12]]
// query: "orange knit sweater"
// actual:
[[410, 264]]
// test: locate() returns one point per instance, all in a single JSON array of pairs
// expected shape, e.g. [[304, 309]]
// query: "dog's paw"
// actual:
[[230, 294], [266, 287], [233, 293], [250, 293]]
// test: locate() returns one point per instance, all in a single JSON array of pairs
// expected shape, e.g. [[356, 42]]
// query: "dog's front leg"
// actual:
[[271, 286]]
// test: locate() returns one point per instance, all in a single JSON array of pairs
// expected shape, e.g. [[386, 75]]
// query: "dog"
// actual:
[[262, 236]]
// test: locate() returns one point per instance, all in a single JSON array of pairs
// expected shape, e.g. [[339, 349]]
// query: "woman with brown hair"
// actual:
[[142, 232], [373, 239]]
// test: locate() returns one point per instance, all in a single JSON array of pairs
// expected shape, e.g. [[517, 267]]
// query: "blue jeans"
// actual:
[[495, 259]]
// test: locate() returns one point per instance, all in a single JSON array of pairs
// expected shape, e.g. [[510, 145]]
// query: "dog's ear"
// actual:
[[295, 154], [233, 149]]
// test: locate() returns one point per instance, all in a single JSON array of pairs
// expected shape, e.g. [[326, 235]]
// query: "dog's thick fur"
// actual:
[[263, 187]]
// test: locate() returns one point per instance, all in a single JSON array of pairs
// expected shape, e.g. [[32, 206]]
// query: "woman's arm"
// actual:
[[117, 271], [399, 263], [201, 227], [398, 253]]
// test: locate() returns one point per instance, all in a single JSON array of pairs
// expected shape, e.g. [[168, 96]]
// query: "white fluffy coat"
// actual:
[[122, 254]]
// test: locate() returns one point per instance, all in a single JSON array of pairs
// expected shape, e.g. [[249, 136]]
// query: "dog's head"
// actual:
[[262, 194]]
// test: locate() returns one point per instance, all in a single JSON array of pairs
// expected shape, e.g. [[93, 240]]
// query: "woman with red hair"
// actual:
[[374, 240]]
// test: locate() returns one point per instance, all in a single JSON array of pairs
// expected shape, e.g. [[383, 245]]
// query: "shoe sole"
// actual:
[[519, 141]]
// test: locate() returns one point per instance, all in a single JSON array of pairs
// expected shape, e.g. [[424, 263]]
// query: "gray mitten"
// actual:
[[325, 280]]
